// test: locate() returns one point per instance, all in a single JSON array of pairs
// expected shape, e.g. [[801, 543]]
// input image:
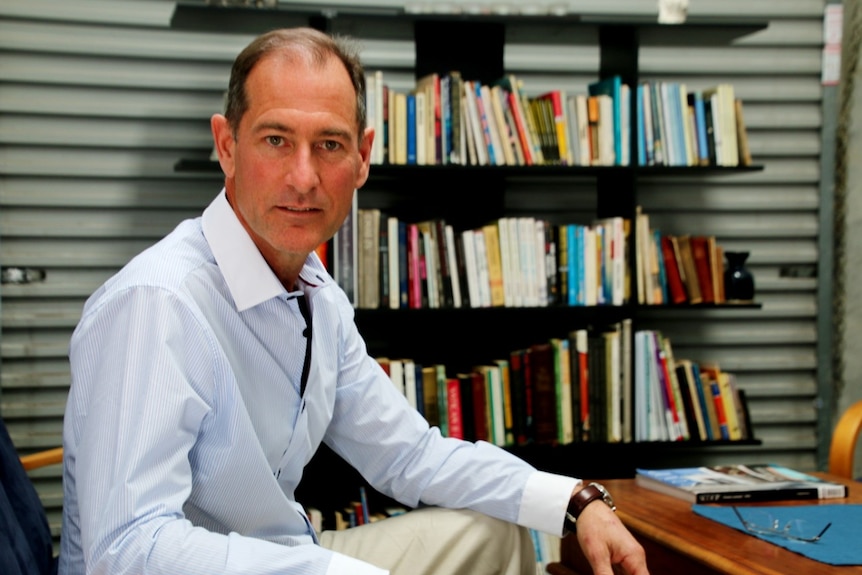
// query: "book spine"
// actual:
[[783, 494]]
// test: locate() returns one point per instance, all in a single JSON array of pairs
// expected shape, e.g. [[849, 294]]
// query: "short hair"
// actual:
[[308, 41]]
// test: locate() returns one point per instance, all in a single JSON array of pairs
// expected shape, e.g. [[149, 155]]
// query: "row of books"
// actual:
[[582, 387], [678, 269], [447, 119], [681, 127], [508, 262], [679, 399], [357, 512]]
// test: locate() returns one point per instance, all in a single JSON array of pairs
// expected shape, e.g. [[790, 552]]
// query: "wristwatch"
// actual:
[[580, 500]]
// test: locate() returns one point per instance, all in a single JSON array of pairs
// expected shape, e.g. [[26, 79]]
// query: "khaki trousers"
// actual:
[[435, 541]]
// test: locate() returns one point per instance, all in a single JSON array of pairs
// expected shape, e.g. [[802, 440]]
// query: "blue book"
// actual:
[[641, 128], [411, 128], [702, 399], [573, 255], [612, 87], [696, 99]]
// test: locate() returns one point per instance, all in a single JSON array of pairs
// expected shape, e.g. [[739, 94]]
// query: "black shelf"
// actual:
[[397, 22], [188, 165]]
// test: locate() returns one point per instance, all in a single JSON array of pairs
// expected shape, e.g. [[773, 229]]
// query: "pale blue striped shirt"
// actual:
[[186, 435]]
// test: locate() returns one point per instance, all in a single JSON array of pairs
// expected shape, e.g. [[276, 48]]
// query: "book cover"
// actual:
[[611, 87], [703, 266], [738, 483], [544, 393], [673, 272], [556, 98]]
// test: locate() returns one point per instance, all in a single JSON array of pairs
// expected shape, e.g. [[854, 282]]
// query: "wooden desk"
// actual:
[[677, 540]]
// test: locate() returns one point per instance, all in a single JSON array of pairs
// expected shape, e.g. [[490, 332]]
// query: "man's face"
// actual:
[[292, 167]]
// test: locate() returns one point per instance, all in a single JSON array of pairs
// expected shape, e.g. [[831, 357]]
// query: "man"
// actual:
[[208, 371]]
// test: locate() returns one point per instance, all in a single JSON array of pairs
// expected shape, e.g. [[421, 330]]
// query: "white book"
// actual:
[[396, 374], [506, 261], [517, 264], [493, 129], [452, 259], [482, 267], [468, 245], [527, 247], [475, 124], [583, 123], [394, 262], [541, 263], [410, 383], [421, 128], [607, 151]]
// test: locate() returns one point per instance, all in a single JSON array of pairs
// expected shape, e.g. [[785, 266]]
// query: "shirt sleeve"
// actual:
[[392, 445]]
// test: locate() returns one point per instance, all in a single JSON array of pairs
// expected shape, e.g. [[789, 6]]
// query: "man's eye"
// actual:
[[274, 140], [331, 145]]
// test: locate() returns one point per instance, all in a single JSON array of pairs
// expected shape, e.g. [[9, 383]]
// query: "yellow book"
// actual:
[[725, 384], [495, 264]]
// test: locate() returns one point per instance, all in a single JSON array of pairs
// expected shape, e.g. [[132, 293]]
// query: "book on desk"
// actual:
[[738, 483]]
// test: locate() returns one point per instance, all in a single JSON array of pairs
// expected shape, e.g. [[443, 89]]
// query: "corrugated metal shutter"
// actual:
[[99, 99]]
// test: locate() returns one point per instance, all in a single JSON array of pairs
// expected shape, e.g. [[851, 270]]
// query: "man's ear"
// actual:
[[225, 143], [365, 144]]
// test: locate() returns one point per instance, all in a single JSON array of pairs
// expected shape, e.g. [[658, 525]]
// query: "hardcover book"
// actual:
[[738, 483]]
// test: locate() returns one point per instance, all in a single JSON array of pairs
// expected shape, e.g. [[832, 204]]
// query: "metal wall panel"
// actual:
[[99, 99]]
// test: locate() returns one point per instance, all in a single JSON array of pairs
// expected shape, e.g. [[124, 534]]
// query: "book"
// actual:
[[611, 116], [738, 483]]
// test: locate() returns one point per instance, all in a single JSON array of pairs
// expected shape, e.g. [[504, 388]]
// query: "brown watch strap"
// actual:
[[582, 498]]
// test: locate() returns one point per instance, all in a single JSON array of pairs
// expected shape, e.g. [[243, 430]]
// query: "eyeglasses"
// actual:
[[762, 523]]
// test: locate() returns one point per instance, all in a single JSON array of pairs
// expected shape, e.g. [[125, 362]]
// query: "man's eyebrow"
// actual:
[[276, 126], [280, 127]]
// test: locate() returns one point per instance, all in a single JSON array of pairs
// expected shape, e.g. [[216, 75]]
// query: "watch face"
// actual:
[[606, 496]]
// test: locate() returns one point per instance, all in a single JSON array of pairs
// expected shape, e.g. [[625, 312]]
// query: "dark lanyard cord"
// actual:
[[306, 365]]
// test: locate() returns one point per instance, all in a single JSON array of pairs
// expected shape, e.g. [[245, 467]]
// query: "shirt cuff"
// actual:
[[343, 564], [545, 500]]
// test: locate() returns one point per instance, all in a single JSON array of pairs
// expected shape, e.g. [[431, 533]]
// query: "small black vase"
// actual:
[[738, 281]]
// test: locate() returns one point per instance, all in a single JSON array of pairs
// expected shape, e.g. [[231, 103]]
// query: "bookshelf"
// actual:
[[474, 45]]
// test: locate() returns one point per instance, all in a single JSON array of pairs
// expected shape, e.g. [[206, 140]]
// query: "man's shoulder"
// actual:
[[166, 265]]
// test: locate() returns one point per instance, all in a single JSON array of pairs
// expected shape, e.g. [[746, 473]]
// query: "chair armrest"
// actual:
[[843, 445], [42, 458]]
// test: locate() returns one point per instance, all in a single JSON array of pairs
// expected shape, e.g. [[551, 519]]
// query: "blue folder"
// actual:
[[840, 545]]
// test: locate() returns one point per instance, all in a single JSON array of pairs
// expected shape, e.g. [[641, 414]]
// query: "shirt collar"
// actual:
[[249, 278]]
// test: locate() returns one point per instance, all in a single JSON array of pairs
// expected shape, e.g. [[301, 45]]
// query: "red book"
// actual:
[[544, 392], [667, 392], [675, 284], [700, 253], [453, 404], [480, 406], [414, 276]]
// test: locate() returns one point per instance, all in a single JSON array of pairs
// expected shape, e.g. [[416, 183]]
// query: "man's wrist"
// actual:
[[581, 499]]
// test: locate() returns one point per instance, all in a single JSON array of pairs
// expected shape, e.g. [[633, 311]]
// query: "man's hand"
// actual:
[[607, 544]]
